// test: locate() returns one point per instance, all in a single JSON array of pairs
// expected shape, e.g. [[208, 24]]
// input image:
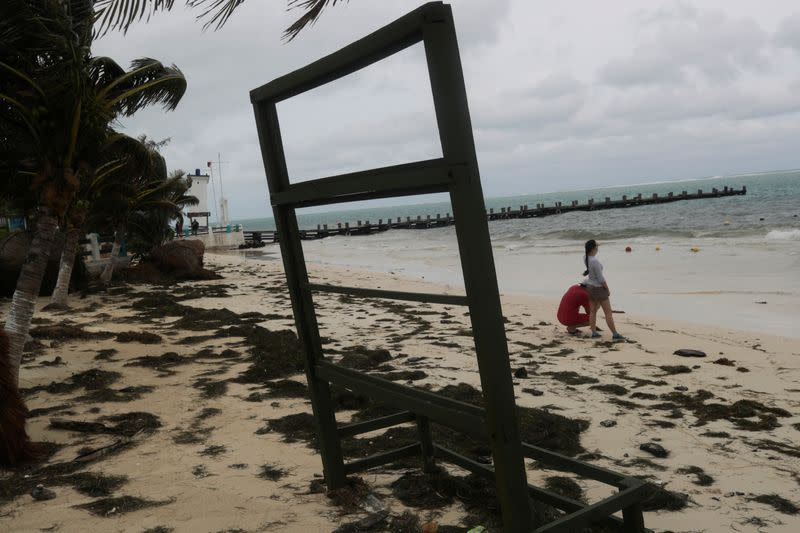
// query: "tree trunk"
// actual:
[[61, 291], [108, 270], [29, 283]]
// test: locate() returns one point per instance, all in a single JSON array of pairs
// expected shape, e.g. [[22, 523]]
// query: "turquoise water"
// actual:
[[770, 209]]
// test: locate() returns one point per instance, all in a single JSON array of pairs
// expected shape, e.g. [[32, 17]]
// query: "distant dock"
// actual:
[[256, 238]]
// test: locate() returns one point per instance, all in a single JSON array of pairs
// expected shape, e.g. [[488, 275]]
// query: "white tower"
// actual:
[[199, 189]]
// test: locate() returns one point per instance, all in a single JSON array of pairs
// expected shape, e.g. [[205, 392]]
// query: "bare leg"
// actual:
[[606, 304], [592, 315]]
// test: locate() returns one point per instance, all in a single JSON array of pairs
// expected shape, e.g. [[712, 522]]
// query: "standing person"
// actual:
[[598, 291], [569, 310], [195, 226], [179, 227]]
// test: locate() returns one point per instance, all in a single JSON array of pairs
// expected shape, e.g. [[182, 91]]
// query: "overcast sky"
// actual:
[[563, 95]]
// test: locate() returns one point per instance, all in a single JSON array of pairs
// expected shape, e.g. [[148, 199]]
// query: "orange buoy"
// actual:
[[695, 249]]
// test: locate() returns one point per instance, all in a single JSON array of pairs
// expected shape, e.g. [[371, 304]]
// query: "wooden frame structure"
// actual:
[[456, 173]]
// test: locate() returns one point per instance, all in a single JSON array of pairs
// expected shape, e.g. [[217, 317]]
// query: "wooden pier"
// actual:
[[254, 238]]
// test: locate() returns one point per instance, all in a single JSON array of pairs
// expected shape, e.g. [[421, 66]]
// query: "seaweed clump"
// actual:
[[93, 379], [273, 354], [271, 472], [143, 337], [119, 505], [363, 358], [779, 503], [67, 332], [741, 413], [126, 424]]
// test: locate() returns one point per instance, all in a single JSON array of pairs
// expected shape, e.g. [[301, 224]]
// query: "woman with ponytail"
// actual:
[[598, 291]]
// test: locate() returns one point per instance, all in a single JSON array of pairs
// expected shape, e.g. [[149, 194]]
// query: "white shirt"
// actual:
[[595, 277]]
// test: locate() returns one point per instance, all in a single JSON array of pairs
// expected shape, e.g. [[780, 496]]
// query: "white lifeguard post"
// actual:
[[199, 189]]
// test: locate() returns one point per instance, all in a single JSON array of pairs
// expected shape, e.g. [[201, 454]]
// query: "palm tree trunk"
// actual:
[[61, 291], [108, 270], [29, 283]]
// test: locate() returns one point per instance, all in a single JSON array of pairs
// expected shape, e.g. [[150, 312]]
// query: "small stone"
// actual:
[[685, 352], [41, 493], [654, 449], [521, 372], [681, 388], [608, 423]]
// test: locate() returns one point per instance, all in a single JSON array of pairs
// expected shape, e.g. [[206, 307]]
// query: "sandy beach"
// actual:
[[207, 418]]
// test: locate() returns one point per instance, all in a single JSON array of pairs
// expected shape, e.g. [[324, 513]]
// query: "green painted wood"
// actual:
[[447, 299]]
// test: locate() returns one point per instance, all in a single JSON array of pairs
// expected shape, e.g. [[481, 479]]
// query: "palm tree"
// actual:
[[56, 105], [151, 224], [121, 14]]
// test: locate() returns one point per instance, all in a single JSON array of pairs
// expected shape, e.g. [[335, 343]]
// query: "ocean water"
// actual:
[[748, 250], [773, 196]]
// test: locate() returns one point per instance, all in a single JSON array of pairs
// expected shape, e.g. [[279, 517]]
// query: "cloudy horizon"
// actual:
[[562, 97]]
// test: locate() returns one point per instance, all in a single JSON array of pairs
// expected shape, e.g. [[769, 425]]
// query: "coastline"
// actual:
[[748, 456]]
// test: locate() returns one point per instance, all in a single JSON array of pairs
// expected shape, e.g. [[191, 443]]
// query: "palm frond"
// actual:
[[216, 12], [148, 82], [313, 10], [121, 14]]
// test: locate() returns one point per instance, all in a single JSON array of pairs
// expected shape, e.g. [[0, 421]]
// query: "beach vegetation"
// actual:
[[58, 104]]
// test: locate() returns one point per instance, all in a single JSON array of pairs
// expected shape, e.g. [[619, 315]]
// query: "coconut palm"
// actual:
[[60, 101], [124, 161], [120, 14], [151, 224]]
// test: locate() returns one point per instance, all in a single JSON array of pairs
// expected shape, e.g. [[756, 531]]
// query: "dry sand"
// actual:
[[202, 463]]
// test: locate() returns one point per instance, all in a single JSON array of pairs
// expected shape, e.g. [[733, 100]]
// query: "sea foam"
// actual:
[[784, 235]]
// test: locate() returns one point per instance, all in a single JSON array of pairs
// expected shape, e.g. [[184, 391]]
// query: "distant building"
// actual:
[[199, 189]]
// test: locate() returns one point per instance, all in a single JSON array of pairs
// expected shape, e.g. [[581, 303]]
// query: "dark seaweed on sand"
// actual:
[[273, 354], [476, 494], [66, 332], [779, 503], [119, 505], [125, 424], [271, 472], [93, 483], [537, 427], [93, 379], [143, 337], [740, 413], [565, 486]]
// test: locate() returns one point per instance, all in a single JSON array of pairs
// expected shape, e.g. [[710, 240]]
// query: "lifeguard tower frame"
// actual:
[[456, 173]]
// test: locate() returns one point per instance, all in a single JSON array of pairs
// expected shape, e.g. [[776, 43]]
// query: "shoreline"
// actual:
[[221, 429], [713, 311]]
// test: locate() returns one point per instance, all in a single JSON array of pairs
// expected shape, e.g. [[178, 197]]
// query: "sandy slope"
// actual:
[[223, 492]]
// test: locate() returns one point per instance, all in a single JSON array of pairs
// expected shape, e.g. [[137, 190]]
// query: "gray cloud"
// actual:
[[561, 96], [788, 34], [688, 43]]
